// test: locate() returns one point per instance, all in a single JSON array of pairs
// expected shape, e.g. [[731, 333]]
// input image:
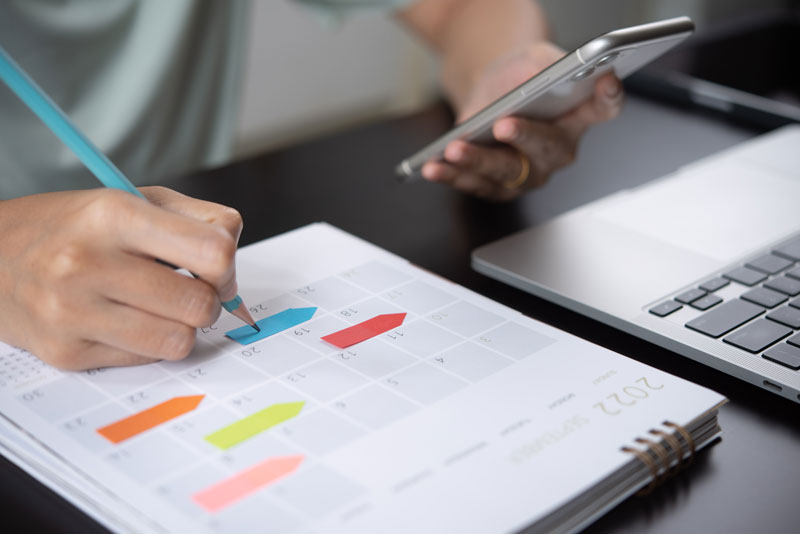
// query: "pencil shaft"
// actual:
[[54, 117]]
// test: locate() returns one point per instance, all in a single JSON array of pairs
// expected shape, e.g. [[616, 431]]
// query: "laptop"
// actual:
[[759, 88], [704, 261]]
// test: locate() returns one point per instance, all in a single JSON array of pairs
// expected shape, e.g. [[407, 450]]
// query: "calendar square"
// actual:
[[256, 449], [514, 340], [276, 305], [83, 428], [136, 459], [310, 333], [179, 490], [375, 276], [421, 338], [323, 380], [48, 400], [192, 428], [418, 297], [320, 431], [224, 377], [465, 318], [424, 383], [255, 400], [277, 355], [331, 293], [471, 361], [149, 396], [317, 490], [374, 358], [366, 309], [271, 517], [117, 381], [374, 406]]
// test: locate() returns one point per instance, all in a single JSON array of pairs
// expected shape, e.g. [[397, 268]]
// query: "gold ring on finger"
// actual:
[[524, 173]]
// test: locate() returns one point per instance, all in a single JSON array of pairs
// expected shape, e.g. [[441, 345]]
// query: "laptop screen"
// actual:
[[745, 69]]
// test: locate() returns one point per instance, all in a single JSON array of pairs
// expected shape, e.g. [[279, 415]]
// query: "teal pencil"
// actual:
[[91, 156]]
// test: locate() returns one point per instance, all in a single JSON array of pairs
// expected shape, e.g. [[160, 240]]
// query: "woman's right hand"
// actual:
[[79, 286]]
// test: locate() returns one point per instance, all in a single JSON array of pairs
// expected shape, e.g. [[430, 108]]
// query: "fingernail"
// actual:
[[613, 89]]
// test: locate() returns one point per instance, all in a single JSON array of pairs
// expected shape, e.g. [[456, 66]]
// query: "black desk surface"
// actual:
[[749, 482]]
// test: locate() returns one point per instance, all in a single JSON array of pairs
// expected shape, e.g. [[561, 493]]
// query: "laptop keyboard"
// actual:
[[764, 318]]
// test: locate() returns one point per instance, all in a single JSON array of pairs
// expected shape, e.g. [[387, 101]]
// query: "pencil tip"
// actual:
[[242, 313]]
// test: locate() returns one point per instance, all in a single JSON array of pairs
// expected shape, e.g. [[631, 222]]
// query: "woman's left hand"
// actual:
[[530, 150]]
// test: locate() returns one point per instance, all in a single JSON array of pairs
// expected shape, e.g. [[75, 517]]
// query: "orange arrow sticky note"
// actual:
[[149, 418]]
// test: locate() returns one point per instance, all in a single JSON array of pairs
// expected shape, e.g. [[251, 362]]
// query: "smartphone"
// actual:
[[742, 69], [563, 85]]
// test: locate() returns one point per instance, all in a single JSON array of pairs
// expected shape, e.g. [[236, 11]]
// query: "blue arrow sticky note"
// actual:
[[271, 325]]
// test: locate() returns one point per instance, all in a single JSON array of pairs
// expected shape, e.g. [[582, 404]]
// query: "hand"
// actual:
[[79, 286], [490, 172]]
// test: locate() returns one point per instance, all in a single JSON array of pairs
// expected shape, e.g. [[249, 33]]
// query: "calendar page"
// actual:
[[377, 398]]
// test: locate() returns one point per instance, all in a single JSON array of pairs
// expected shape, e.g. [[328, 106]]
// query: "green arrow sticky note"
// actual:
[[244, 429]]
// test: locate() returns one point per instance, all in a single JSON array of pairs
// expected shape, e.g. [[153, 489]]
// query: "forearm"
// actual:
[[470, 34]]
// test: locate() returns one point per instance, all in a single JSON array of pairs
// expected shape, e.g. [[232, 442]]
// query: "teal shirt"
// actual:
[[154, 83]]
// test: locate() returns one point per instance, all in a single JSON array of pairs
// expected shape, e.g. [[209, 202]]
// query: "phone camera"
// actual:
[[605, 60], [583, 73]]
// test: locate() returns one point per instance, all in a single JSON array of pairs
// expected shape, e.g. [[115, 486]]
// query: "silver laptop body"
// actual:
[[616, 259]]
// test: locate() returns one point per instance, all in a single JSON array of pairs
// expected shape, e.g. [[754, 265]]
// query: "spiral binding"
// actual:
[[659, 458]]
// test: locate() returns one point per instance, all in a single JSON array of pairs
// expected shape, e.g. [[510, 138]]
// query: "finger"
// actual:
[[209, 212], [547, 147], [202, 210], [451, 175], [203, 248], [605, 104], [473, 184], [439, 171], [140, 283], [138, 332], [498, 164], [96, 355]]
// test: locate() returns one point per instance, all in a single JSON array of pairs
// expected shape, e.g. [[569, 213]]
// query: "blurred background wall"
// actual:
[[307, 75]]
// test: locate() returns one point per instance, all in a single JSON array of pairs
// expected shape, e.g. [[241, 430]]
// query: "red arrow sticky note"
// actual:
[[366, 330]]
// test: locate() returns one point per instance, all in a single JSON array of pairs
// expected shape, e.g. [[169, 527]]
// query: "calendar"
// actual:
[[377, 398]]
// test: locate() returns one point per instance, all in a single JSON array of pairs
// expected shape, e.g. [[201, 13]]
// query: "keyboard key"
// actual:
[[725, 318], [794, 340], [689, 296], [746, 276], [706, 302], [785, 355], [770, 264], [665, 308], [786, 315], [784, 284], [794, 273], [795, 303], [764, 297], [714, 284], [790, 249], [758, 335]]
